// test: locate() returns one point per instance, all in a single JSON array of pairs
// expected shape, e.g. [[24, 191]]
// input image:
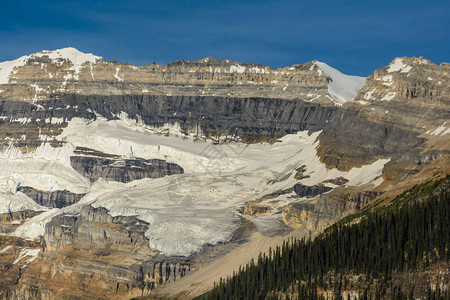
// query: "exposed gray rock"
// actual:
[[348, 138], [310, 191], [429, 156], [337, 181], [66, 229], [327, 208], [18, 215], [94, 236], [123, 170], [56, 199]]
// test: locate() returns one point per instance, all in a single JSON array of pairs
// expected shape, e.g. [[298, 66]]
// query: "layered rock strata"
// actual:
[[122, 170], [100, 255], [57, 199], [326, 209]]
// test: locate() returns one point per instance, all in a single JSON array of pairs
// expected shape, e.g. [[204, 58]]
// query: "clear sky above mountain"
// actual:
[[355, 37]]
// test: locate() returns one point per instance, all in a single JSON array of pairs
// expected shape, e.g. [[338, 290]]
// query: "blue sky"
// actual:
[[356, 37]]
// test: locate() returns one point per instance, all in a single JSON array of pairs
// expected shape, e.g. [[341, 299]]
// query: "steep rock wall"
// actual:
[[56, 199], [348, 139], [123, 170]]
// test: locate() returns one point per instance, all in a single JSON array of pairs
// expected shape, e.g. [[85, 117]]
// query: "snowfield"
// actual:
[[185, 211], [342, 88]]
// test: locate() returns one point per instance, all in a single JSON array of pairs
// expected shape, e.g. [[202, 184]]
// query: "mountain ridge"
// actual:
[[158, 170], [201, 65]]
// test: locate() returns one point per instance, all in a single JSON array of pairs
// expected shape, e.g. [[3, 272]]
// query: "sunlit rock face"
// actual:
[[56, 199]]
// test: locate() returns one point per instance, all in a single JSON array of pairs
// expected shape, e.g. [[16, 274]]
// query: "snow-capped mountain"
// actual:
[[141, 174]]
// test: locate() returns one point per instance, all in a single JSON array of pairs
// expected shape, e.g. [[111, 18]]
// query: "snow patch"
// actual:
[[35, 227], [387, 80], [116, 75], [368, 95], [47, 169], [389, 96], [398, 65], [5, 249], [7, 67], [77, 58], [237, 69], [27, 252], [259, 70], [342, 88], [12, 202], [441, 130]]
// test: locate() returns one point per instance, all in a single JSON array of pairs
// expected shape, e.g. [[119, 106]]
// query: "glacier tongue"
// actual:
[[343, 87]]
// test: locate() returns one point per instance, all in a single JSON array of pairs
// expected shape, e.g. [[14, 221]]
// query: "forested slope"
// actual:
[[366, 259]]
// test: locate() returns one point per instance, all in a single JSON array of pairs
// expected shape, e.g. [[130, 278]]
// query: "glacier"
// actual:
[[186, 211]]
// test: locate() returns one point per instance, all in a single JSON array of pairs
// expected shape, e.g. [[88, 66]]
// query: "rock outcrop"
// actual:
[[326, 209], [100, 255], [11, 220], [47, 74], [123, 170], [96, 226], [56, 199], [310, 191], [402, 105]]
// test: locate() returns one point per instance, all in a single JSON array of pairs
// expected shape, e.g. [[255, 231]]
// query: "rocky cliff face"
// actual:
[[11, 220], [417, 81], [100, 255], [312, 207], [402, 109], [63, 230], [399, 115]]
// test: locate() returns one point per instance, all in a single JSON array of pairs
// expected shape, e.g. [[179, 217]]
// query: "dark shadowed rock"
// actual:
[[123, 170], [56, 199], [310, 191]]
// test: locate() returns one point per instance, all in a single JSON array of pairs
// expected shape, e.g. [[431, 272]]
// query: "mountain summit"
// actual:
[[123, 179]]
